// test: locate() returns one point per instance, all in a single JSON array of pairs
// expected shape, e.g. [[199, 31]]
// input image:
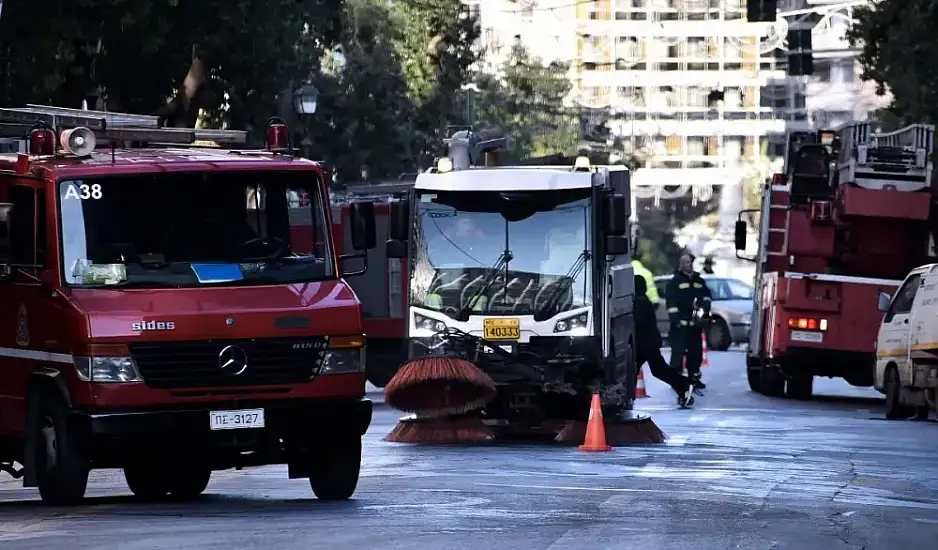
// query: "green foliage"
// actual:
[[526, 100], [364, 124], [898, 51], [140, 51], [436, 40], [656, 246]]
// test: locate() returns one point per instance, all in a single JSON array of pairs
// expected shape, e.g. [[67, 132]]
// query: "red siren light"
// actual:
[[42, 141], [277, 135]]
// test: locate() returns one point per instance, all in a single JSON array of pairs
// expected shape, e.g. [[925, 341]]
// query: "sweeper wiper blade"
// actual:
[[546, 309]]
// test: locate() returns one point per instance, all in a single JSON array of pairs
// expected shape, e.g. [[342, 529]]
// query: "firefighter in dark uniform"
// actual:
[[648, 347], [688, 301]]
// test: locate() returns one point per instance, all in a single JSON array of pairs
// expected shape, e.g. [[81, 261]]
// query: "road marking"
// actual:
[[602, 489], [676, 441]]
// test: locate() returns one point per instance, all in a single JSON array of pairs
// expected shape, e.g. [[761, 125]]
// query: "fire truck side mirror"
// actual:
[[740, 235], [6, 211], [362, 220], [615, 218], [398, 220]]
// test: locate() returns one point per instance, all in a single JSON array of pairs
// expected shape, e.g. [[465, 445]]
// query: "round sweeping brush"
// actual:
[[439, 384]]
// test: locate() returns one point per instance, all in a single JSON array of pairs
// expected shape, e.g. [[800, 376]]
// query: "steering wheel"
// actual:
[[543, 294], [281, 245]]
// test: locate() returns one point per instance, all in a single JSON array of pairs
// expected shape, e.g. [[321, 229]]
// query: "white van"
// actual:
[[907, 346]]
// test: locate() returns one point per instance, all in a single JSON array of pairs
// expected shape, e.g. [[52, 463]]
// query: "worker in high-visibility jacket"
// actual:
[[643, 272]]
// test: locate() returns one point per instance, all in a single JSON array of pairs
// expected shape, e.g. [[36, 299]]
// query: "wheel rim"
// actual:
[[50, 444]]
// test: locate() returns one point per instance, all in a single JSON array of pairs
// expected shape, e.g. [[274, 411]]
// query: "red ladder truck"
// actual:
[[846, 219]]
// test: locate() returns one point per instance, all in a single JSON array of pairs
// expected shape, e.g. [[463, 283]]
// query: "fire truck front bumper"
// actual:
[[260, 432]]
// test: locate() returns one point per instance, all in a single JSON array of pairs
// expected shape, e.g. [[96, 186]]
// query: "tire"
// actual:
[[61, 466], [189, 482], [718, 335], [754, 376], [335, 473], [772, 382], [894, 409], [800, 387], [146, 482]]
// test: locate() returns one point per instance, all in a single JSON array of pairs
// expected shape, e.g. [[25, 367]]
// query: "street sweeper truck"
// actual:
[[848, 218], [171, 310], [524, 271]]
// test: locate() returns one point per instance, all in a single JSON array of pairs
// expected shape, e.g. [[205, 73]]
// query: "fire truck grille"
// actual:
[[219, 363]]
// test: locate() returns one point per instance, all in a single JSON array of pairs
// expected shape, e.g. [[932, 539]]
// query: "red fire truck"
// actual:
[[846, 220], [383, 288], [172, 310]]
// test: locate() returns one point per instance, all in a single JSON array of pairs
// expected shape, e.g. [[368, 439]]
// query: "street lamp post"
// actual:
[[305, 102]]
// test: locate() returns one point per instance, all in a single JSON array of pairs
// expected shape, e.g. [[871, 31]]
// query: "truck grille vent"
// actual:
[[195, 364]]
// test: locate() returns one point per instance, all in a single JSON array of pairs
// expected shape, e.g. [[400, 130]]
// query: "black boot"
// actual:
[[698, 383]]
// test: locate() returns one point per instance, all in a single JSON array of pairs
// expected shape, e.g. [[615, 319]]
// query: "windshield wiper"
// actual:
[[490, 277], [138, 284], [560, 288]]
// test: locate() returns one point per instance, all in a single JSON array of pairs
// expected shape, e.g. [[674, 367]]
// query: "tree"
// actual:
[[437, 42], [898, 52], [526, 100], [239, 54], [364, 127]]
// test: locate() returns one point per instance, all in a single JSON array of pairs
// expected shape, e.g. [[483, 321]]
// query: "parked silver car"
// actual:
[[731, 310]]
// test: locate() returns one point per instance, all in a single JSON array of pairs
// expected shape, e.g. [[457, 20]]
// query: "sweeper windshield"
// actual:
[[494, 253]]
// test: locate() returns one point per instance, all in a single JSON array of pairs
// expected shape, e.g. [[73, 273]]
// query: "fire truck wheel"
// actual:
[[335, 472], [773, 382], [61, 467], [800, 387], [895, 410], [146, 482], [754, 376], [188, 482], [718, 336]]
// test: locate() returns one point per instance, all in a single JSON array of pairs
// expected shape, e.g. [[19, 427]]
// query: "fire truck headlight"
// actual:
[[107, 369], [344, 361]]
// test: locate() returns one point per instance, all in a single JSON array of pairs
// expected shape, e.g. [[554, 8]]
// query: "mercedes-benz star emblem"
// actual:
[[232, 361]]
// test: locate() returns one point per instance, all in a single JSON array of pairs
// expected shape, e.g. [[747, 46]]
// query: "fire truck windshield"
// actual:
[[194, 229], [460, 236]]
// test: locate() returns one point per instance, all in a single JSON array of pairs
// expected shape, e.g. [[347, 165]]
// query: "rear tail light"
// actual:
[[807, 323]]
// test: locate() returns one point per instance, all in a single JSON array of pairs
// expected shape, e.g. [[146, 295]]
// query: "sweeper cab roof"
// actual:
[[460, 170]]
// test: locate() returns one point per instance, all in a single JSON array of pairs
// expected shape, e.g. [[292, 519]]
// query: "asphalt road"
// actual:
[[740, 471]]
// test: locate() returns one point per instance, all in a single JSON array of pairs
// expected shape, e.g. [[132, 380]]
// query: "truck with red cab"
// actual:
[[847, 219], [172, 310]]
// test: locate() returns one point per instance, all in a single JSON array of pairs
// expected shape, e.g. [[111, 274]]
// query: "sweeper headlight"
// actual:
[[345, 354], [423, 323], [576, 324]]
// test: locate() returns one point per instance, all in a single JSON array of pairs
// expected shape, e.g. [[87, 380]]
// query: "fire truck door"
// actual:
[[29, 338], [892, 344]]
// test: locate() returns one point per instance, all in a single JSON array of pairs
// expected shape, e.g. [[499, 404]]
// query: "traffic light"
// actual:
[[761, 11], [800, 58]]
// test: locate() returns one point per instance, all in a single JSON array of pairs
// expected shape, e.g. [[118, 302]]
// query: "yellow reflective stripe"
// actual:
[[698, 285], [683, 285], [673, 310], [706, 298]]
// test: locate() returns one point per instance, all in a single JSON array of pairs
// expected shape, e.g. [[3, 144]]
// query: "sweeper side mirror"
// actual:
[[883, 301], [399, 220], [615, 219], [362, 221]]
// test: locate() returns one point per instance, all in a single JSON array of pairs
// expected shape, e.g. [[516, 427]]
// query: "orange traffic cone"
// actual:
[[595, 429], [704, 362], [640, 392]]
